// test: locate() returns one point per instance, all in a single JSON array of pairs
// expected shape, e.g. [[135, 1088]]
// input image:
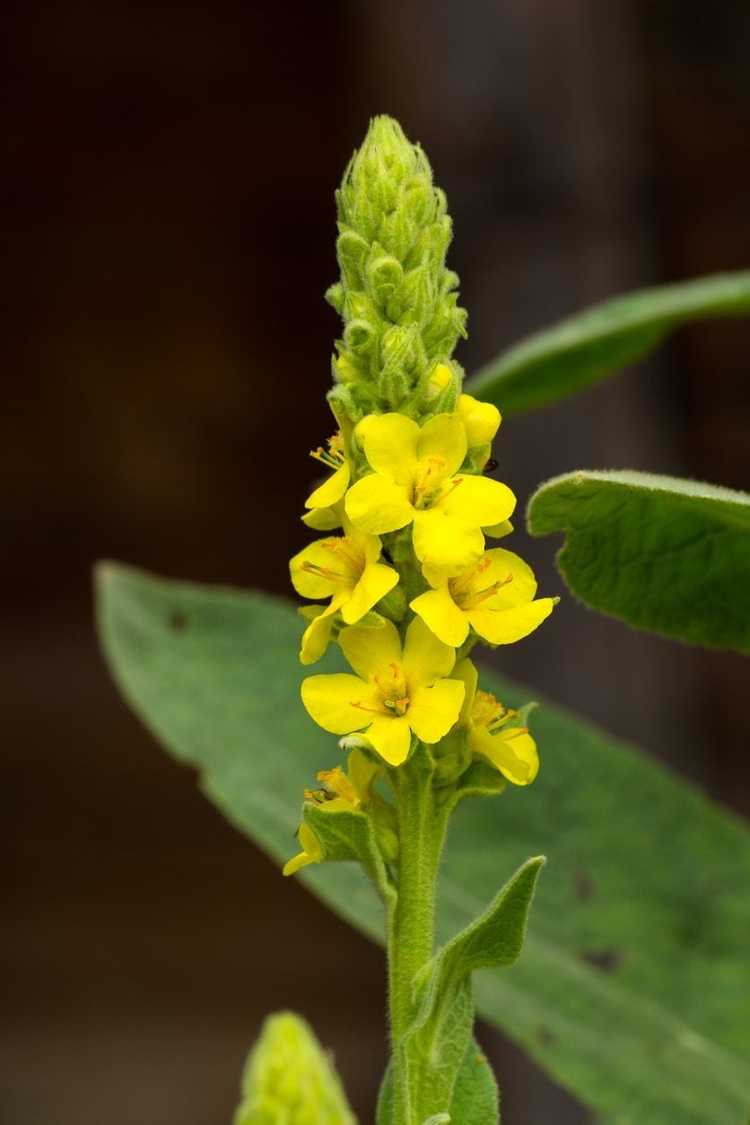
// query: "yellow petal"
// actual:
[[311, 851], [376, 504], [391, 737], [332, 701], [505, 626], [433, 710], [443, 436], [481, 420], [504, 566], [390, 443], [316, 636], [513, 752], [499, 530], [322, 519], [331, 490], [368, 544], [362, 772], [478, 501], [442, 542], [441, 614], [308, 583], [467, 673], [425, 657], [437, 578], [370, 651], [377, 579]]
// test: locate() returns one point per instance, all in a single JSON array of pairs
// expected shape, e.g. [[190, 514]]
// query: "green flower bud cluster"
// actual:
[[397, 299], [289, 1080]]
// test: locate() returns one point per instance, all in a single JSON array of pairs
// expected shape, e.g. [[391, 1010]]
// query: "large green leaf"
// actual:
[[668, 555], [600, 341], [632, 987]]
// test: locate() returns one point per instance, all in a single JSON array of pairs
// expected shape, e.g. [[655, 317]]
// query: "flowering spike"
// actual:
[[396, 297]]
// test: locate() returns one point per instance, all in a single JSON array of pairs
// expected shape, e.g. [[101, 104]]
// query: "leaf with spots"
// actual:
[[632, 986]]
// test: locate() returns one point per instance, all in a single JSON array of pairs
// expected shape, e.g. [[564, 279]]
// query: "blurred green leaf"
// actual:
[[585, 348], [632, 987], [668, 555]]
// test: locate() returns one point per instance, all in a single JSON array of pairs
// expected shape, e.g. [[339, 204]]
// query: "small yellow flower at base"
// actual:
[[355, 785], [495, 597], [311, 851], [395, 691], [511, 750], [481, 420], [331, 490], [343, 792], [347, 570], [416, 479]]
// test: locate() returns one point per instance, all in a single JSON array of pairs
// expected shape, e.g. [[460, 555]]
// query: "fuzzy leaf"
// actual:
[[668, 555], [585, 348], [441, 1033], [632, 990], [475, 1095]]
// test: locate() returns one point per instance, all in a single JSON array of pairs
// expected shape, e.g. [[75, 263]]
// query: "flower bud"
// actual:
[[288, 1077], [394, 235]]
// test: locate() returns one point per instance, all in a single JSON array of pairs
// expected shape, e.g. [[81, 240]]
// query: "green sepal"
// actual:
[[344, 834], [479, 780], [288, 1078]]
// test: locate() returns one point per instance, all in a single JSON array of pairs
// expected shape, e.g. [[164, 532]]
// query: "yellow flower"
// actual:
[[415, 479], [331, 490], [342, 792], [394, 692], [323, 519], [345, 569], [311, 852], [481, 420], [511, 750], [495, 597]]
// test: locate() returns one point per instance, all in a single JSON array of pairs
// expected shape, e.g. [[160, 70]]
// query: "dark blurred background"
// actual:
[[169, 235]]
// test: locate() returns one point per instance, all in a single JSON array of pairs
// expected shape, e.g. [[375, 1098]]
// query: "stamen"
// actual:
[[347, 551], [516, 732], [333, 457], [400, 706], [427, 480], [323, 572], [372, 710]]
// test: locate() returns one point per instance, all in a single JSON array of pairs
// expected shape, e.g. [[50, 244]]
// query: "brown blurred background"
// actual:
[[169, 212]]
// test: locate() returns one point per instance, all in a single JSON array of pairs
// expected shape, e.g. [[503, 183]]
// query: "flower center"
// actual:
[[393, 697], [489, 712], [428, 477], [333, 457], [394, 691], [347, 558], [467, 590]]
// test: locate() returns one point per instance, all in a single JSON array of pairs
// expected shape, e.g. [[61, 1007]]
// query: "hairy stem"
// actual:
[[411, 929]]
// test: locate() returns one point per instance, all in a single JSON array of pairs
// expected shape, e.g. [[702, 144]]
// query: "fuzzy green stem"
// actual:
[[411, 929]]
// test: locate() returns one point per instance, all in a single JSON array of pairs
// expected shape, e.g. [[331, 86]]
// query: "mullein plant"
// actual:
[[406, 579]]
